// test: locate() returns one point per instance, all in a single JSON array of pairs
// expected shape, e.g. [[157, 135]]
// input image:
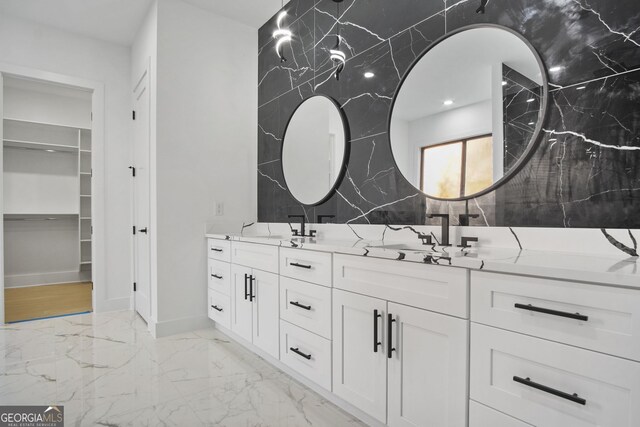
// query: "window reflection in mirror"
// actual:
[[467, 112]]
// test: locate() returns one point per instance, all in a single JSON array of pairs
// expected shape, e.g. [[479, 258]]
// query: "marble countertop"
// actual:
[[558, 265]]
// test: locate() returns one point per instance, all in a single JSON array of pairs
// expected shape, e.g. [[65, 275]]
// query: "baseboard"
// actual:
[[114, 304], [177, 326], [326, 394], [24, 280]]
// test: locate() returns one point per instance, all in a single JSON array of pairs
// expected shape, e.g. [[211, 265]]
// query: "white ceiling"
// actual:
[[460, 69], [117, 21]]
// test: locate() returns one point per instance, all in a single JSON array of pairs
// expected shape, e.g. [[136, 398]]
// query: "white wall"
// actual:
[[26, 44], [206, 149], [463, 122]]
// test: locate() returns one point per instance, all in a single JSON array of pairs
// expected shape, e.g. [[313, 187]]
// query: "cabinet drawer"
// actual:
[[305, 265], [219, 308], [434, 288], [534, 380], [262, 257], [306, 353], [220, 276], [305, 305], [608, 320], [483, 416], [220, 250]]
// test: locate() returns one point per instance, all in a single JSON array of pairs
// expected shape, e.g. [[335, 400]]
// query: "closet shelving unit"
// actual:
[[37, 198]]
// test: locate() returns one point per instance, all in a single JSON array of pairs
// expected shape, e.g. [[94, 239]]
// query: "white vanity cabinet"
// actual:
[[403, 365], [255, 302]]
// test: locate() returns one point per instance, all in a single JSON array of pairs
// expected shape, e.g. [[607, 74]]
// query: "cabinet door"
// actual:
[[428, 369], [266, 312], [241, 313], [359, 372]]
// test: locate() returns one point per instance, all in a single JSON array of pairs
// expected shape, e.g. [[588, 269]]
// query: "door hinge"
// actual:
[[134, 229], [92, 230], [133, 171], [133, 114], [134, 286], [92, 116]]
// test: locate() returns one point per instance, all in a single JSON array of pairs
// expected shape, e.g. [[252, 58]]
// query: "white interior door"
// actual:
[[141, 197]]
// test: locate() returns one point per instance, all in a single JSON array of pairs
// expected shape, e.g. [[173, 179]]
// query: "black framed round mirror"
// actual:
[[469, 112], [315, 150]]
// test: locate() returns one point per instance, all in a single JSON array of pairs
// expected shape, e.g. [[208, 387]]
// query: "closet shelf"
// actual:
[[85, 195], [45, 123], [85, 240], [28, 145], [85, 263], [37, 217]]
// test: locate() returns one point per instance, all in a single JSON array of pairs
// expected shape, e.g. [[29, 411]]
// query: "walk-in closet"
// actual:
[[47, 199]]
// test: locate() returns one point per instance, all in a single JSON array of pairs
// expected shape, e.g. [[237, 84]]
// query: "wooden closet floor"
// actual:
[[36, 302]]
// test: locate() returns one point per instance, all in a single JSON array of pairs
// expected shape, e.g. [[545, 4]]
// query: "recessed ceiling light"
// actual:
[[369, 75], [448, 102], [530, 99], [504, 83], [555, 69], [581, 87]]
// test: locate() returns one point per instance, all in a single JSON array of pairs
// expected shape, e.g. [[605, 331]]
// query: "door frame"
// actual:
[[100, 300]]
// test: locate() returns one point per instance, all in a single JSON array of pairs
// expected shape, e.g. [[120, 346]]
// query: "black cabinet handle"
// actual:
[[143, 230], [295, 264], [216, 249], [216, 276], [390, 348], [299, 353], [572, 397], [246, 292], [529, 307], [297, 304], [215, 307], [251, 295], [376, 343]]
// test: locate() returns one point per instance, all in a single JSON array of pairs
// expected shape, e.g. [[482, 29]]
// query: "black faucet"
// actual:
[[312, 233], [464, 218], [466, 240], [321, 217], [444, 234]]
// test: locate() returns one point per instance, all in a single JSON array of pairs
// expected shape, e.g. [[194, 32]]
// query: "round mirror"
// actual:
[[468, 113], [314, 150]]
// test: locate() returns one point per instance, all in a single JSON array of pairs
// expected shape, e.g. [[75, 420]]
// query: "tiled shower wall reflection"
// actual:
[[586, 170]]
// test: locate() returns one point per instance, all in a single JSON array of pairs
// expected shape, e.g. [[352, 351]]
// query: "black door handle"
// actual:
[[216, 249], [572, 397], [215, 307], [299, 353], [529, 307], [376, 343], [143, 230], [251, 295], [216, 276], [297, 304], [295, 264], [246, 293], [390, 348]]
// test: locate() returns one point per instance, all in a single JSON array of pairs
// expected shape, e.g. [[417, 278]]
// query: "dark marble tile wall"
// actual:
[[586, 170]]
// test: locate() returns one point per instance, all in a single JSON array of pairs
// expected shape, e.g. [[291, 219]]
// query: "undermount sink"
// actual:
[[405, 247]]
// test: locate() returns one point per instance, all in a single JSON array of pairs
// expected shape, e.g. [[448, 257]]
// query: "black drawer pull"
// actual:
[[216, 276], [390, 347], [299, 353], [576, 316], [297, 304], [216, 249], [376, 343], [215, 307], [572, 397], [295, 264]]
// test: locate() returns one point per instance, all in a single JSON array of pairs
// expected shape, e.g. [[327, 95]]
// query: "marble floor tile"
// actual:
[[107, 370]]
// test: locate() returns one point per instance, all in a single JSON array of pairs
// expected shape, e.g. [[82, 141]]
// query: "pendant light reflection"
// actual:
[[338, 57], [281, 35]]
